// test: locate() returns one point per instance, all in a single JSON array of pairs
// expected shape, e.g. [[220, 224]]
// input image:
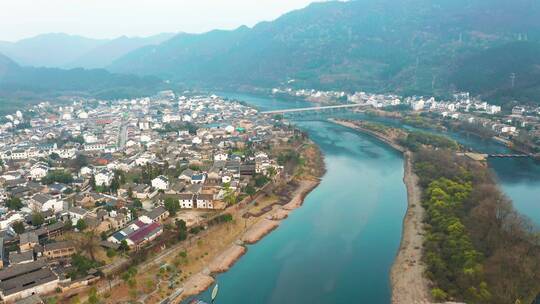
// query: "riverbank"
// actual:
[[457, 191], [255, 232], [384, 138], [189, 267], [408, 281], [255, 227], [409, 284]]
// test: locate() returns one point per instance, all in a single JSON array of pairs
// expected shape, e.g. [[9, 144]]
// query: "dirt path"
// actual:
[[409, 284]]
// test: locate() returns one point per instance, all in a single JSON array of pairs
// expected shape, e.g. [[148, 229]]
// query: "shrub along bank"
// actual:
[[478, 249]]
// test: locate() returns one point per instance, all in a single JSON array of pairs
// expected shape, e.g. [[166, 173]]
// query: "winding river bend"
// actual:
[[339, 247]]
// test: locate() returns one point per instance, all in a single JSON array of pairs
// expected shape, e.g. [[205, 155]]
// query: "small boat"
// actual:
[[214, 293]]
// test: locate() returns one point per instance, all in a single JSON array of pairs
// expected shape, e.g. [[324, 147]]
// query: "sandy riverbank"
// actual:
[[195, 285], [300, 194], [259, 230], [280, 214], [193, 264], [379, 136], [409, 284], [224, 261]]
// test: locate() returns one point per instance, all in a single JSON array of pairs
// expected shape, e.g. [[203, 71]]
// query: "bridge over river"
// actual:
[[481, 156], [314, 109]]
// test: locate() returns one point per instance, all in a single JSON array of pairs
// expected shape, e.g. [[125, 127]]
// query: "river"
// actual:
[[339, 247], [518, 178]]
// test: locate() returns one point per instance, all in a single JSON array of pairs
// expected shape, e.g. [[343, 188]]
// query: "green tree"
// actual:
[[93, 297], [81, 265], [250, 190], [58, 176], [18, 227], [124, 247], [439, 294], [181, 227], [230, 196], [68, 225], [81, 225], [14, 203], [272, 172], [172, 205], [37, 219], [111, 253], [115, 184], [137, 203], [52, 300], [261, 180], [89, 243], [93, 182]]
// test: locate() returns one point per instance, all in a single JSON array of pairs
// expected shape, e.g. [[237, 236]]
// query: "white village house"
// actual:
[[104, 178], [39, 170], [44, 202], [185, 200], [161, 183]]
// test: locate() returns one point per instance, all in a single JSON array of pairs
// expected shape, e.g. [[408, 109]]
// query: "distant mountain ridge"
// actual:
[[60, 50], [405, 46], [105, 54], [19, 83], [49, 50]]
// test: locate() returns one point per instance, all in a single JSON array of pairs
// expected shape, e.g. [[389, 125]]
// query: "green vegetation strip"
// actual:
[[478, 249]]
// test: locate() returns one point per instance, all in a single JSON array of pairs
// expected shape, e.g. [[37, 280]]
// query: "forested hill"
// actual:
[[26, 83], [406, 46], [490, 72]]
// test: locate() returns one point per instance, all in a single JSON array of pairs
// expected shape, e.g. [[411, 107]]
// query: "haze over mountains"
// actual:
[[59, 50], [404, 46], [19, 83], [407, 46]]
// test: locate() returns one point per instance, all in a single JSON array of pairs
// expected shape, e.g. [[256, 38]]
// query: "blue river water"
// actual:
[[518, 178], [339, 247]]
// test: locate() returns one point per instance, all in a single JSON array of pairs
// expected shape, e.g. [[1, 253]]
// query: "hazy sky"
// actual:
[[110, 18]]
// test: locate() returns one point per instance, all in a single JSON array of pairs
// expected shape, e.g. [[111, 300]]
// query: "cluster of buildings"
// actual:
[[91, 164], [375, 100], [522, 120], [312, 95], [461, 107]]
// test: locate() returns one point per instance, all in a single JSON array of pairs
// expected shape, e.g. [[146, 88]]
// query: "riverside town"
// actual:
[[270, 152], [92, 188]]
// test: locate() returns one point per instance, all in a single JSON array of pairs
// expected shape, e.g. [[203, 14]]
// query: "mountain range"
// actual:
[[30, 83], [422, 47], [407, 46], [58, 50]]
